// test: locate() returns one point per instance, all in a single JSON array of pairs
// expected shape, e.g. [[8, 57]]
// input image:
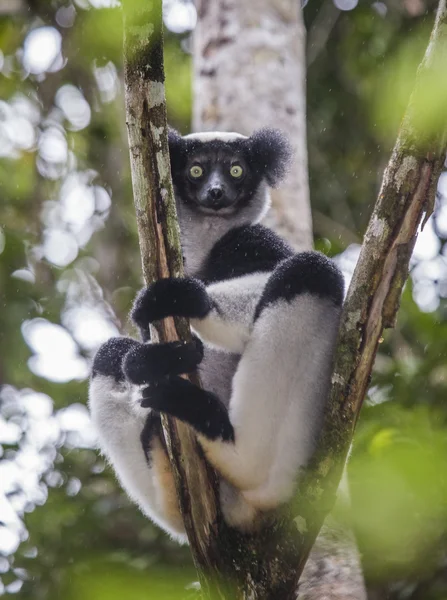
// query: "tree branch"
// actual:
[[407, 192], [161, 255]]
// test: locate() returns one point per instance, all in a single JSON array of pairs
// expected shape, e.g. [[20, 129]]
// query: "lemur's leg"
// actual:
[[129, 435], [280, 387], [282, 382], [221, 314]]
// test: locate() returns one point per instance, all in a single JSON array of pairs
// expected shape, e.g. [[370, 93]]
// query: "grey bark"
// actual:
[[12, 7], [250, 68], [249, 72]]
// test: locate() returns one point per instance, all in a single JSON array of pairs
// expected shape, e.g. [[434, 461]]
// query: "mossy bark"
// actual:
[[406, 199]]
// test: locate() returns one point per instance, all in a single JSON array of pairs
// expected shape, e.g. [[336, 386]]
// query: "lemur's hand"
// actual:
[[147, 363], [171, 298], [109, 358]]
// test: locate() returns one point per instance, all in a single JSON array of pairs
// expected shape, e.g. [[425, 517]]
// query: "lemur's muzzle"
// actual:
[[216, 198]]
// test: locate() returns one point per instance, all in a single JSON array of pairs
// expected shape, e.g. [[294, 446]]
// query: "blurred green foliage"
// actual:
[[85, 538]]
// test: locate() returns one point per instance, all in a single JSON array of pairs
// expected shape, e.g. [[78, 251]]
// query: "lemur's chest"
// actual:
[[214, 253], [198, 236]]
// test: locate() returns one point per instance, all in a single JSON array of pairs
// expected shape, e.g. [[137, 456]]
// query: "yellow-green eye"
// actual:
[[196, 171], [236, 171]]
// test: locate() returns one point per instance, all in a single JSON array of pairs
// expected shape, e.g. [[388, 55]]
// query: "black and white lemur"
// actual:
[[266, 321]]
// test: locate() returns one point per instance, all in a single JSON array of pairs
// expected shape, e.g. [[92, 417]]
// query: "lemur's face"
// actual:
[[220, 173], [217, 179]]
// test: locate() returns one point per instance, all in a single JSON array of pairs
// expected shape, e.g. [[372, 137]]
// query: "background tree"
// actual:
[[249, 69], [64, 172]]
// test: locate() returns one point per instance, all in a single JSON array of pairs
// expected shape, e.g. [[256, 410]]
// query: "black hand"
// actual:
[[150, 362], [187, 402], [109, 358], [171, 298]]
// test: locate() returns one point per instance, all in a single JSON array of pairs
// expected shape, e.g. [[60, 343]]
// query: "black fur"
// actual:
[[171, 297], [149, 362], [270, 154], [181, 399], [152, 429], [267, 151], [307, 272], [244, 250], [109, 358]]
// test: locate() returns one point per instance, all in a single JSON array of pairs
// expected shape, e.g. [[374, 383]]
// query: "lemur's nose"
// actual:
[[215, 193]]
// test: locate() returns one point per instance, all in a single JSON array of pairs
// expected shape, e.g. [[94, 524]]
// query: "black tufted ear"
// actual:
[[270, 154], [177, 149]]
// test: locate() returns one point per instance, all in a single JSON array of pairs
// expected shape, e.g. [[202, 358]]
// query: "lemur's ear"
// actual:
[[177, 148], [270, 153]]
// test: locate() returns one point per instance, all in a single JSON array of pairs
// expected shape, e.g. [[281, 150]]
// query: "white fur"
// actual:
[[228, 325], [279, 393], [200, 232], [209, 136], [119, 421], [276, 405]]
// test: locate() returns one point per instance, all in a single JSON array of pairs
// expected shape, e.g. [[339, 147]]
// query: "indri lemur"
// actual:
[[266, 320]]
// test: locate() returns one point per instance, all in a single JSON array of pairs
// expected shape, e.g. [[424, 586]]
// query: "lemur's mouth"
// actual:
[[217, 207], [218, 211]]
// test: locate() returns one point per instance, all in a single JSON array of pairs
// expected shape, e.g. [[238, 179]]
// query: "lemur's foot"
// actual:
[[171, 297], [185, 401], [108, 360]]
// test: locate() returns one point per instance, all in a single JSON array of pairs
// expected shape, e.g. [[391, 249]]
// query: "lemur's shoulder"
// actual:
[[244, 250]]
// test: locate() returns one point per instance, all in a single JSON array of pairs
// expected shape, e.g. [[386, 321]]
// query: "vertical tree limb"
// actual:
[[161, 255], [407, 193]]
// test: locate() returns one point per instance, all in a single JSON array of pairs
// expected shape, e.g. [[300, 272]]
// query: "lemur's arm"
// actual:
[[221, 314], [129, 435]]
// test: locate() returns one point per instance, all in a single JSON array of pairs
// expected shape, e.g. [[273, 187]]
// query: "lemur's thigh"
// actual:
[[130, 437], [282, 381], [221, 313]]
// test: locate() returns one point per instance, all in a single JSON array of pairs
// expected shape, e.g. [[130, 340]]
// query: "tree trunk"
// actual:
[[406, 200], [161, 256], [250, 67]]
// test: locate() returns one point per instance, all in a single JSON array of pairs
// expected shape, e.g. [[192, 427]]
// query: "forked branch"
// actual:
[[407, 195], [268, 565]]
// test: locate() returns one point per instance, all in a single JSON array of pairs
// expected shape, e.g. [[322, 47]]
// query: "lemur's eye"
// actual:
[[236, 171], [196, 171]]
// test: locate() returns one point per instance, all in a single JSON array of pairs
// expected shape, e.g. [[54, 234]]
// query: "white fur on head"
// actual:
[[209, 136]]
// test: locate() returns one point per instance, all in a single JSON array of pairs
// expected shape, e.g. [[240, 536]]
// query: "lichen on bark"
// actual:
[[160, 249]]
